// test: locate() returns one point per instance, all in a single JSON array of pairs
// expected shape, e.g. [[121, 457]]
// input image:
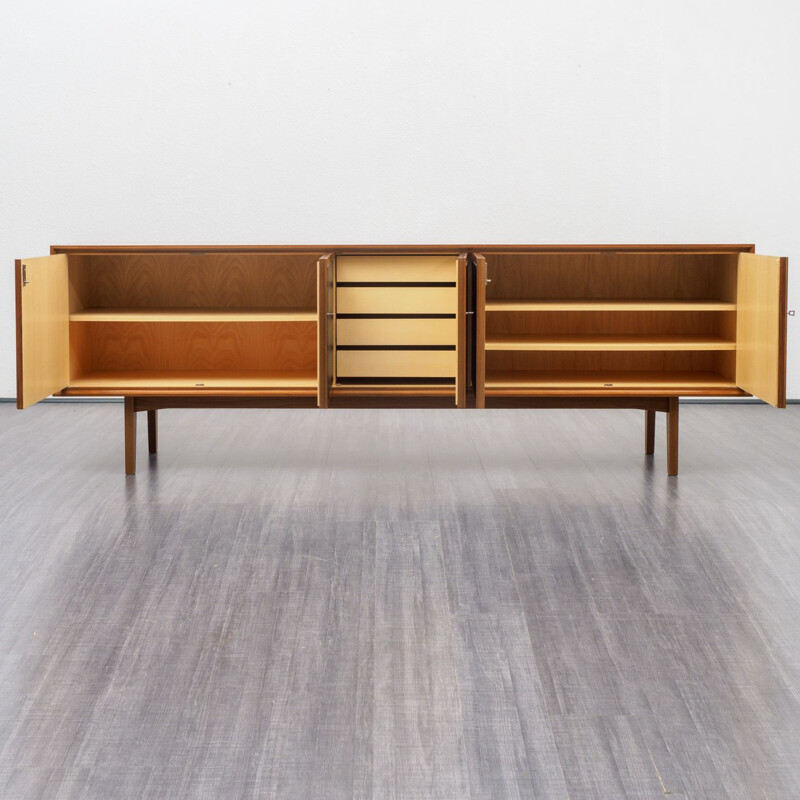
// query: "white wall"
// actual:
[[362, 121]]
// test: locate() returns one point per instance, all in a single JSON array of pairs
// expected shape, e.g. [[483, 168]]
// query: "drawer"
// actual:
[[395, 269], [396, 363], [396, 300], [396, 331]]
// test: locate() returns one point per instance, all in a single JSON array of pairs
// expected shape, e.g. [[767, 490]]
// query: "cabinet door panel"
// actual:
[[480, 331], [461, 347], [42, 289], [761, 327], [325, 327]]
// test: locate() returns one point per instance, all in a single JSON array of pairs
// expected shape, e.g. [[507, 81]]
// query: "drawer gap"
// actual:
[[395, 284], [395, 347]]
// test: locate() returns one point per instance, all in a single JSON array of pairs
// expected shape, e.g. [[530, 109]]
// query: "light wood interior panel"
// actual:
[[610, 304], [396, 300], [604, 342], [130, 346], [194, 315], [582, 276], [596, 382], [187, 280], [397, 331], [761, 327], [408, 268], [303, 382], [396, 364], [42, 287]]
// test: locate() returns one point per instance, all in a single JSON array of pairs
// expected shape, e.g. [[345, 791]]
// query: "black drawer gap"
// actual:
[[395, 347], [396, 284]]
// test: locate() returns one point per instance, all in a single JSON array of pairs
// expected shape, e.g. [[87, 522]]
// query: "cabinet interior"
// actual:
[[610, 320], [193, 320]]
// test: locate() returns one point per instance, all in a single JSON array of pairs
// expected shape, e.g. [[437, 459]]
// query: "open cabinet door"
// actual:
[[761, 327], [480, 331], [325, 327], [461, 326], [42, 286]]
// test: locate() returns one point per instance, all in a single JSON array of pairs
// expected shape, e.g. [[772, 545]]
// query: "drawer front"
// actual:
[[396, 363], [396, 331], [395, 269], [396, 300]]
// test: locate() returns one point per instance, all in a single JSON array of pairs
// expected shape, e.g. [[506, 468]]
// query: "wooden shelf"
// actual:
[[609, 304], [133, 381], [517, 341], [194, 315], [505, 382]]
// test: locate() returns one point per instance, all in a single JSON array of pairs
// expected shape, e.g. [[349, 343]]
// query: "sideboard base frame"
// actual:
[[152, 404]]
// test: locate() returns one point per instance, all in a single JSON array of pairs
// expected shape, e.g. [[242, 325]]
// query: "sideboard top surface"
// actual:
[[408, 248]]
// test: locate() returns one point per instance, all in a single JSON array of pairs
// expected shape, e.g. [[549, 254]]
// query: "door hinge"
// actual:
[[25, 280]]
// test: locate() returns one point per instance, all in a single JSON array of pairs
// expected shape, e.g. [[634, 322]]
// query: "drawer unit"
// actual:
[[397, 320]]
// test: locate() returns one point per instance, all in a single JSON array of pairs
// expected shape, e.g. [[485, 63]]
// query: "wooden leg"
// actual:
[[152, 430], [672, 437], [649, 432], [130, 437]]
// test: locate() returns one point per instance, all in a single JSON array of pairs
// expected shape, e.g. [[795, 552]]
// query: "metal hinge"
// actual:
[[25, 280]]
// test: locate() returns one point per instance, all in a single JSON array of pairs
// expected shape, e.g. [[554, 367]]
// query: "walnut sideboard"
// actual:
[[467, 326]]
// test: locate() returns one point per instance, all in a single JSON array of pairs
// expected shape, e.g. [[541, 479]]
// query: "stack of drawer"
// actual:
[[396, 317]]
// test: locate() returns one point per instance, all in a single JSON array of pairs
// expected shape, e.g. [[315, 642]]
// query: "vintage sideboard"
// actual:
[[462, 326]]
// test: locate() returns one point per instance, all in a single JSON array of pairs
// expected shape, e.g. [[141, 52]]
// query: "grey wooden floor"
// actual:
[[399, 604]]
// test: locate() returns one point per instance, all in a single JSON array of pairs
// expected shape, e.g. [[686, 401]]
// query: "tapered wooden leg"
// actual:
[[649, 432], [130, 437], [672, 437], [152, 430]]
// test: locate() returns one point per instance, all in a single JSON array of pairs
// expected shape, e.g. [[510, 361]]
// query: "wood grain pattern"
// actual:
[[127, 346], [226, 280], [584, 276], [613, 323], [42, 304], [761, 327]]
